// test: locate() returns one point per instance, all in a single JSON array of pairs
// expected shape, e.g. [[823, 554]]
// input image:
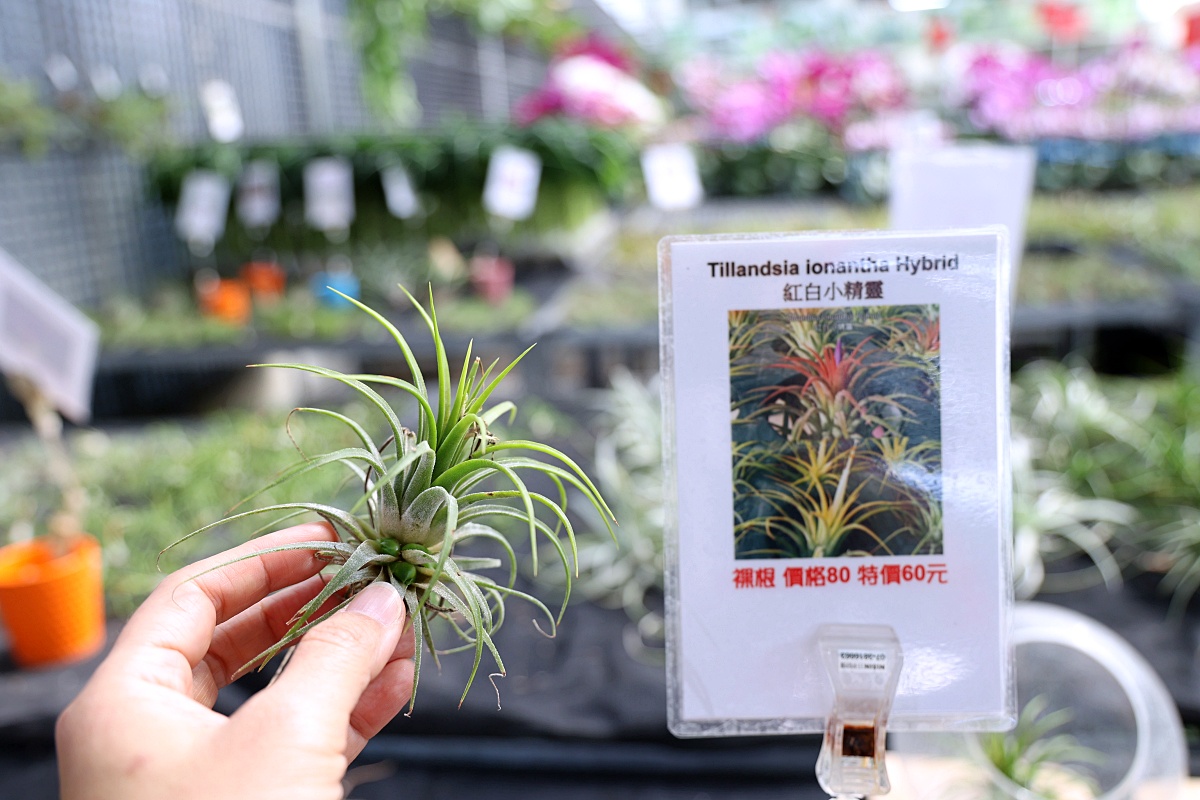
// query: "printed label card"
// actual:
[[47, 340], [836, 437], [511, 187], [963, 186], [329, 194]]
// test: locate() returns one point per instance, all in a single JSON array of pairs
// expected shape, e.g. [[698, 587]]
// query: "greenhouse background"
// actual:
[[192, 174]]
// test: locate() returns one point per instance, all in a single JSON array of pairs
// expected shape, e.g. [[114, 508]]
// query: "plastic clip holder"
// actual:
[[863, 663]]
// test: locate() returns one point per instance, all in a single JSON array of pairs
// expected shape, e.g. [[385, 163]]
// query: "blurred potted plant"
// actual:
[[51, 589], [226, 299], [265, 278]]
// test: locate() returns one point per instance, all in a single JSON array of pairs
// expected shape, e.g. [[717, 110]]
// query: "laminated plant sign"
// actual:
[[47, 340], [836, 434], [965, 185]]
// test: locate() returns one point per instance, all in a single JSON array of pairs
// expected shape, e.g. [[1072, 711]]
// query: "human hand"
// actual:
[[144, 727]]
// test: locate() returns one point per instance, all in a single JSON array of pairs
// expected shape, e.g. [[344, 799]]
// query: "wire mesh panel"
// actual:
[[81, 219]]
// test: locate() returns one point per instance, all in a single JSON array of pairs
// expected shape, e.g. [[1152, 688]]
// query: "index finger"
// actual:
[[174, 626]]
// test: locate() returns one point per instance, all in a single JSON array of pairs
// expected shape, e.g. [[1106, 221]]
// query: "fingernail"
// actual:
[[380, 601]]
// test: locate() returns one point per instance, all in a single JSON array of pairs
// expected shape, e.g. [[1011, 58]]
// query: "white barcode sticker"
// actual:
[[862, 660]]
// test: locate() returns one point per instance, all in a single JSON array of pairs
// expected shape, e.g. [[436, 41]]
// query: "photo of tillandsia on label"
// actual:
[[836, 431]]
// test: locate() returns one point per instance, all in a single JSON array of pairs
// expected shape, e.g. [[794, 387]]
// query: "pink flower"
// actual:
[[591, 89], [544, 102], [745, 111]]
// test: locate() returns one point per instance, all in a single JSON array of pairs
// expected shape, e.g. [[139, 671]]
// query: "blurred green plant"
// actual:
[[1109, 467], [148, 486], [24, 120], [132, 119], [390, 31], [1084, 278], [1036, 758], [583, 170]]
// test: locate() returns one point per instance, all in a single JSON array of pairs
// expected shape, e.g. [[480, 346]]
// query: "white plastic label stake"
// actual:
[[398, 192], [672, 177], [222, 113], [511, 187], [203, 206], [46, 339], [963, 186], [258, 194], [863, 663], [329, 194]]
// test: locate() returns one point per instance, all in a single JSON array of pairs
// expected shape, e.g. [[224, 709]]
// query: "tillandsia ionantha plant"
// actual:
[[625, 570], [428, 490], [1040, 757]]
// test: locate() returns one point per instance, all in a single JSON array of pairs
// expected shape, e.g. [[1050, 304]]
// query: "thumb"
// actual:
[[336, 660]]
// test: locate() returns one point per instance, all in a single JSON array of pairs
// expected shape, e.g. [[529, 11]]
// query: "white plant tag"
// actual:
[[672, 177], [222, 113], [398, 192], [836, 428], [203, 206], [963, 186], [46, 339], [258, 194], [329, 193], [511, 187]]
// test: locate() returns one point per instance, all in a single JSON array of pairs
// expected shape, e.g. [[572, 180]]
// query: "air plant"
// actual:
[[428, 490], [625, 570], [1070, 441], [1037, 756]]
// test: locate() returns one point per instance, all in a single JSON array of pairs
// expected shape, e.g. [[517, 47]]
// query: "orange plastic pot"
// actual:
[[52, 603], [227, 299]]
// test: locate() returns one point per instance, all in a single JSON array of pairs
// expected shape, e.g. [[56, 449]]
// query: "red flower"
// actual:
[[1193, 29], [939, 34], [1064, 22]]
